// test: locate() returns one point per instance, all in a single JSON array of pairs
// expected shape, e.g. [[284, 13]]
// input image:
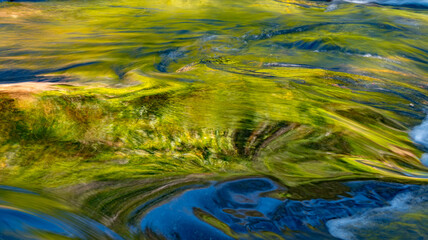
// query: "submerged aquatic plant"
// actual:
[[116, 107]]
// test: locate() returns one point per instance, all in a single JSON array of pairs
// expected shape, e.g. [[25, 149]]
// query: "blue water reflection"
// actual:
[[244, 209], [28, 215], [250, 208]]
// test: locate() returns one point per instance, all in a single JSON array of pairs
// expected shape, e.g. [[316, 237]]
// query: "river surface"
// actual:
[[214, 119]]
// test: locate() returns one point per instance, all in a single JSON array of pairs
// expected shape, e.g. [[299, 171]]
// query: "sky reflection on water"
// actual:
[[243, 209], [246, 208]]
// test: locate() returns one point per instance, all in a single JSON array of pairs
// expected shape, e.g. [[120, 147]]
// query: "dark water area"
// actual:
[[214, 119], [27, 215], [246, 208], [24, 75]]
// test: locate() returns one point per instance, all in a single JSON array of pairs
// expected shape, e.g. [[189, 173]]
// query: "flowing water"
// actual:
[[213, 119]]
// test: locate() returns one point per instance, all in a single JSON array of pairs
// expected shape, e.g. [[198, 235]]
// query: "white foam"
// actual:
[[424, 159], [419, 135], [344, 228], [393, 2]]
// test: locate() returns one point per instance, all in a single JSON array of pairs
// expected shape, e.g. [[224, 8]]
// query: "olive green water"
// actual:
[[165, 93]]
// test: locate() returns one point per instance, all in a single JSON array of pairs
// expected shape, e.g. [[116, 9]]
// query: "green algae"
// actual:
[[172, 88], [81, 134]]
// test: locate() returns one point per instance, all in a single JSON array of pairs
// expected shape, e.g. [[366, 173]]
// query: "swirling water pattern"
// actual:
[[138, 119], [249, 208], [27, 215], [242, 209]]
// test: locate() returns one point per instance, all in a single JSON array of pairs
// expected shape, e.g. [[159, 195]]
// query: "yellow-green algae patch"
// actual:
[[165, 127], [150, 89]]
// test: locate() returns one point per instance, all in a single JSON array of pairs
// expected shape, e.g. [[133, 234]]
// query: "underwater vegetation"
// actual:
[[267, 119]]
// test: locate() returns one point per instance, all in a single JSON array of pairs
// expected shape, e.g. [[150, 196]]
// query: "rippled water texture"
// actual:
[[179, 119], [27, 215], [250, 208], [242, 209]]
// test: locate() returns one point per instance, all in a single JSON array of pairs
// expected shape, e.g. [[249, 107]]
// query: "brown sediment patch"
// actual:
[[15, 11], [187, 68], [25, 90]]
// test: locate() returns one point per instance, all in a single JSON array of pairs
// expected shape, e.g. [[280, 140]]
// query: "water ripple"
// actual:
[[246, 209]]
